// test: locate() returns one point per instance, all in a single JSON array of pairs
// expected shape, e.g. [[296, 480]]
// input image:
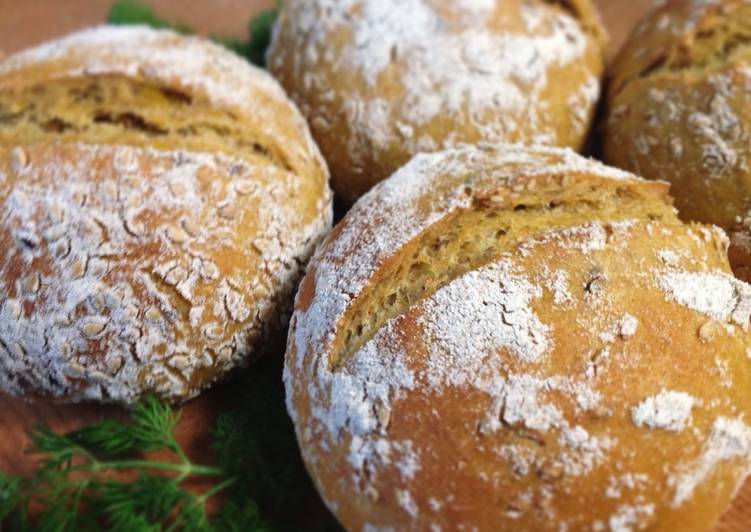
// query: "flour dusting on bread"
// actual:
[[543, 371], [383, 80], [383, 222], [134, 257], [729, 439], [668, 410], [448, 67], [193, 63], [159, 199], [718, 295], [494, 303]]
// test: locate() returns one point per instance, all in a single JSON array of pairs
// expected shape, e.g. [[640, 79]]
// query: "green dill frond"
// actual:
[[150, 429], [234, 442], [76, 489], [234, 516], [135, 523], [193, 518], [57, 449], [57, 516], [152, 425], [125, 12], [102, 476], [11, 497], [256, 442], [260, 29], [108, 438], [45, 440], [151, 498]]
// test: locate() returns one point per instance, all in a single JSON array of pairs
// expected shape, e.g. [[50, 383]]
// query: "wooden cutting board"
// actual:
[[24, 24]]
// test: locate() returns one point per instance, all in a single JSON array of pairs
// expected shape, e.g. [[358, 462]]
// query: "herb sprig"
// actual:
[[75, 487], [106, 475], [124, 12]]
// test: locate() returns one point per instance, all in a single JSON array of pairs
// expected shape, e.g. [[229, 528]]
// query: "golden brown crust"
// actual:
[[678, 102], [184, 67], [382, 81], [591, 374], [137, 263]]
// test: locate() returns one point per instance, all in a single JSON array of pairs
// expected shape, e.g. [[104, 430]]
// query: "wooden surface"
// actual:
[[26, 23]]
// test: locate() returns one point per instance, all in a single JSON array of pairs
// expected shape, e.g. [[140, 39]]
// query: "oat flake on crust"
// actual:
[[127, 258]]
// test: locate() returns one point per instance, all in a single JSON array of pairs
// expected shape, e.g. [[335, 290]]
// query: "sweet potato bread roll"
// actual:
[[679, 109], [159, 198], [383, 80], [521, 339]]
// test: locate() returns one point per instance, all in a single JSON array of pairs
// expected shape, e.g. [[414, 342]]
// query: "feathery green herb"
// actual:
[[104, 476], [75, 488], [134, 12], [124, 12]]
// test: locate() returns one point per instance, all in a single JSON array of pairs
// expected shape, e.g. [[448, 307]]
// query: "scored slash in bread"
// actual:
[[383, 80], [521, 339], [159, 198]]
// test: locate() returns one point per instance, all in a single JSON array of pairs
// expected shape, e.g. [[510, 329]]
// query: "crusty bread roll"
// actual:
[[679, 109], [383, 80], [158, 200], [521, 339]]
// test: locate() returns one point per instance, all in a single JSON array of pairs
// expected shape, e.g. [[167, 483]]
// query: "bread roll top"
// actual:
[[159, 198], [449, 213], [155, 88], [678, 107], [383, 80], [521, 339], [692, 37]]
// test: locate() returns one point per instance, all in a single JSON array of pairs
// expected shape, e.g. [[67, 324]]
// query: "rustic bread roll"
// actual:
[[521, 339], [679, 109], [382, 80], [158, 200]]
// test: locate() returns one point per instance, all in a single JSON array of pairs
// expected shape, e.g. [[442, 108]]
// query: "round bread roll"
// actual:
[[159, 198], [679, 109], [521, 339], [383, 80]]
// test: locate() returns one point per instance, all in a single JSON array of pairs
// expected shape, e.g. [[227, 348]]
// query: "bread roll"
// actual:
[[679, 109], [521, 339], [158, 200], [383, 80]]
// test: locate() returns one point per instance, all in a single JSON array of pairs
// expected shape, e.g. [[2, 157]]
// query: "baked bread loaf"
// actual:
[[383, 80], [158, 200], [679, 109], [521, 339]]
